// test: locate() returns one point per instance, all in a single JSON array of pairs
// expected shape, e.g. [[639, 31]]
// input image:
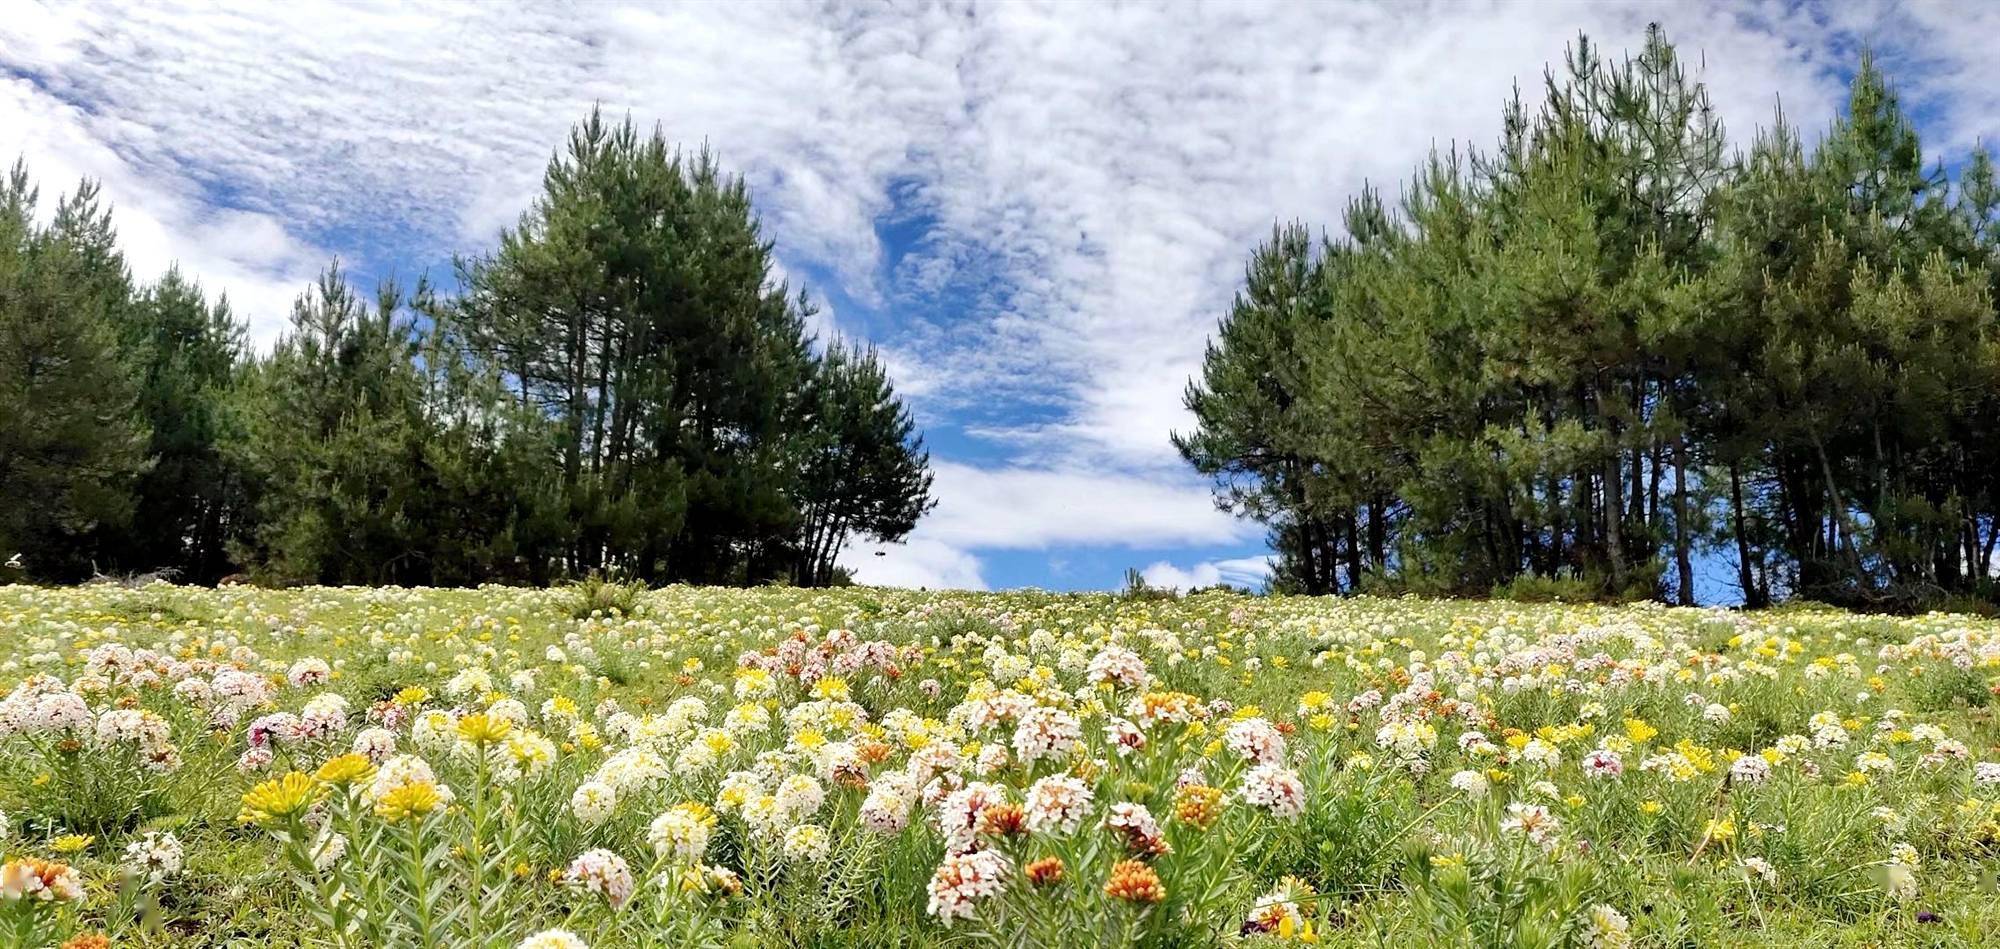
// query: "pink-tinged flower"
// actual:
[[1276, 789], [1057, 804], [1142, 832], [1532, 821], [603, 873], [962, 880]]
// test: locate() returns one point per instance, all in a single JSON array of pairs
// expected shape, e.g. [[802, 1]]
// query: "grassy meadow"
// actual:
[[607, 766]]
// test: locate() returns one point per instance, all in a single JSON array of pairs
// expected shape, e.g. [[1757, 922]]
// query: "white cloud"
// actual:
[[1020, 508], [1250, 572], [248, 254], [917, 563]]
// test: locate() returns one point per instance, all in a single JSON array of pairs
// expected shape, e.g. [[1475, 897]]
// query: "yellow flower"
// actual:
[[1650, 807], [719, 742], [279, 798], [483, 729], [412, 695], [832, 688], [1637, 730], [71, 843], [408, 802], [345, 770]]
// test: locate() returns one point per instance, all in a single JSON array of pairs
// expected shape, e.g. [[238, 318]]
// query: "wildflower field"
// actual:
[[605, 766]]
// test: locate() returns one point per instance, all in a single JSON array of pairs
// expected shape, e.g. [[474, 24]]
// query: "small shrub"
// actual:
[[599, 595]]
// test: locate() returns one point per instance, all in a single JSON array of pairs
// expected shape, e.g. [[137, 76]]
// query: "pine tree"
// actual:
[[634, 305], [185, 354], [71, 444], [330, 432], [863, 469]]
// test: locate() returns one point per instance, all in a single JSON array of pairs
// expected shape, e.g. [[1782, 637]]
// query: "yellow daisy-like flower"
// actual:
[[71, 843], [345, 770], [280, 798], [408, 802], [413, 695], [832, 688], [483, 729]]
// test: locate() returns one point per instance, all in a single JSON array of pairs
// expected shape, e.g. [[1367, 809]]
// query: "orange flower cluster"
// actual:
[[1002, 820], [1177, 707], [31, 878], [1047, 871], [1198, 805], [874, 752], [1135, 882]]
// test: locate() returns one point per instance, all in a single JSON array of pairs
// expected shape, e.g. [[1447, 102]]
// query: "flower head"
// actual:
[[345, 770], [1135, 882], [278, 799], [484, 729], [962, 880], [1198, 805], [553, 939], [603, 873], [409, 802], [42, 880]]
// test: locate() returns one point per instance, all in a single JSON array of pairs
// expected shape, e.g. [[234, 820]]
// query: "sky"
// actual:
[[1037, 212]]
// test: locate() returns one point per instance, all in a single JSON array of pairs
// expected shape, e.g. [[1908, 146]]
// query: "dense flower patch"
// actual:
[[368, 767]]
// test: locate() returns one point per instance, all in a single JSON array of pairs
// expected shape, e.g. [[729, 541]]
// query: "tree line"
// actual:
[[621, 386], [1609, 347]]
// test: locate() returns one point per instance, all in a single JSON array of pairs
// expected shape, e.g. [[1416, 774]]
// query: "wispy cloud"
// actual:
[[1250, 572]]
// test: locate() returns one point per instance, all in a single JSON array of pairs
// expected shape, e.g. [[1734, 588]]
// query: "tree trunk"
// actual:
[[1753, 596], [1378, 532], [1352, 530], [1614, 508], [1683, 563]]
